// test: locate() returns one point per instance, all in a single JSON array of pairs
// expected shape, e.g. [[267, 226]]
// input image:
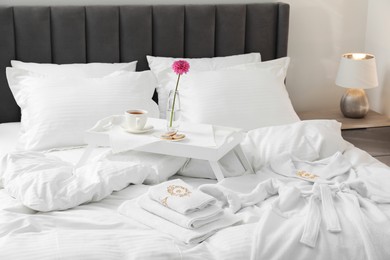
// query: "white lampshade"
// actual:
[[357, 70]]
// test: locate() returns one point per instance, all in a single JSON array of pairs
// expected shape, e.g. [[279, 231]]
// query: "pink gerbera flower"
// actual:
[[180, 67]]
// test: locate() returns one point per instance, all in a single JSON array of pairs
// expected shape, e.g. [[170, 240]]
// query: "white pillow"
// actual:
[[76, 70], [278, 67], [162, 69], [248, 97], [56, 112]]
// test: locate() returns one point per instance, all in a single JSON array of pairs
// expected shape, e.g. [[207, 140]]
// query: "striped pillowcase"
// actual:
[[161, 67], [247, 96], [57, 111], [75, 70]]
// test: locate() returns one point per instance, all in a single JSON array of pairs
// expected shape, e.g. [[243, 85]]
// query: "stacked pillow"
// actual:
[[161, 67], [237, 91], [60, 102]]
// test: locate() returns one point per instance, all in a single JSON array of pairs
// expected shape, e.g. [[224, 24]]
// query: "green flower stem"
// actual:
[[174, 100]]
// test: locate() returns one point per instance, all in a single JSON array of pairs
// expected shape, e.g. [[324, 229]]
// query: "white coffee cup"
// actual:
[[136, 119]]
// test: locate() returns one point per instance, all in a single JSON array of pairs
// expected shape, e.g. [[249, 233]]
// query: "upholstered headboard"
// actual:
[[80, 34]]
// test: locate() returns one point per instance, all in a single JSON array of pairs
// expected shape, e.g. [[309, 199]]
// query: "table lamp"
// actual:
[[357, 71]]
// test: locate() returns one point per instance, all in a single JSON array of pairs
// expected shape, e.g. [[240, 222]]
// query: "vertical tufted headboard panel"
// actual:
[[81, 34]]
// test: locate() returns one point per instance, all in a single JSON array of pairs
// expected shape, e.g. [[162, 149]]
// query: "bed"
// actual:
[[336, 209]]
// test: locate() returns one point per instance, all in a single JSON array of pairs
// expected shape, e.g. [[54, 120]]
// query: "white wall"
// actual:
[[378, 43], [320, 31]]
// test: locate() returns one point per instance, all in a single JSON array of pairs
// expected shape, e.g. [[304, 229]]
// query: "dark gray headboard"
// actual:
[[80, 34]]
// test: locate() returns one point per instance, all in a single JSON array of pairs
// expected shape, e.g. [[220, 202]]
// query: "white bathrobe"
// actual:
[[323, 209]]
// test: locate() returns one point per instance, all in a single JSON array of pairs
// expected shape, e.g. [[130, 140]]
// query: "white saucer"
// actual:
[[146, 129]]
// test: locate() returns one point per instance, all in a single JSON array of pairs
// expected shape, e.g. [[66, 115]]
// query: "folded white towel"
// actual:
[[193, 220], [179, 196], [131, 209]]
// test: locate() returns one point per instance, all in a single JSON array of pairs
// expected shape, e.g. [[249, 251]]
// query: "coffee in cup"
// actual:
[[135, 119]]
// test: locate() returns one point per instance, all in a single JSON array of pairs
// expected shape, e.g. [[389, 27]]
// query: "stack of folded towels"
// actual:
[[175, 208]]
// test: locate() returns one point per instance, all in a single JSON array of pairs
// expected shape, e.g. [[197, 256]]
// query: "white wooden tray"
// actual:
[[226, 139]]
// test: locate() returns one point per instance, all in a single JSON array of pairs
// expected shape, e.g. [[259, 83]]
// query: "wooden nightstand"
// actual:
[[371, 133]]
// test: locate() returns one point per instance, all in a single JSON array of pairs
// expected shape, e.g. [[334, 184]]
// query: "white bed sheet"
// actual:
[[98, 231]]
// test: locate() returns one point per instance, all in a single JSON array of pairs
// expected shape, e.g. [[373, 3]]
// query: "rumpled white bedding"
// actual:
[[97, 231], [44, 182]]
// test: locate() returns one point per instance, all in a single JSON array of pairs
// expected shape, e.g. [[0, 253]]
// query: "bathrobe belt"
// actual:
[[323, 193]]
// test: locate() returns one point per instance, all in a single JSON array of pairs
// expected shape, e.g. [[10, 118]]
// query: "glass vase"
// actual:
[[173, 111]]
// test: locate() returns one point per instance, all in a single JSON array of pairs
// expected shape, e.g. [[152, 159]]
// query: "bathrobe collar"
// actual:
[[321, 171]]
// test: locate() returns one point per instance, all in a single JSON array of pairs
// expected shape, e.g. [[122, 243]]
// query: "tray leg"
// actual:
[[244, 161], [217, 170], [85, 155], [216, 167]]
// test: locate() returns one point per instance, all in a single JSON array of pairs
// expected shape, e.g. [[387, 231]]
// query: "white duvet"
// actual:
[[273, 226]]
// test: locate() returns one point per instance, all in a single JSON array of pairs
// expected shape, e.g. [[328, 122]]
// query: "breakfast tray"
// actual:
[[225, 139]]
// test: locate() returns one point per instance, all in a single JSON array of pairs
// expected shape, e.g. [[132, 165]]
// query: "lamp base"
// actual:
[[354, 103]]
